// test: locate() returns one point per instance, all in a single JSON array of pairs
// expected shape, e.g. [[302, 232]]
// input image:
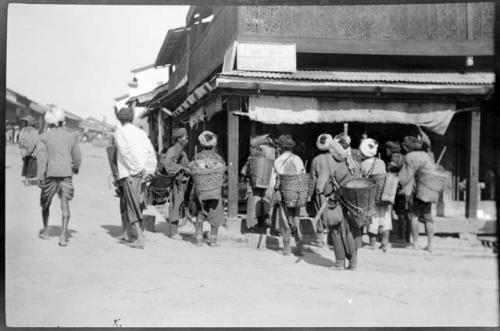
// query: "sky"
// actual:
[[79, 57]]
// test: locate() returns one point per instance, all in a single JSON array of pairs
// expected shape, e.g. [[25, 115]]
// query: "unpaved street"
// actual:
[[97, 282]]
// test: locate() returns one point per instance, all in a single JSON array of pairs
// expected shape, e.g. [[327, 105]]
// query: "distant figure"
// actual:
[[289, 164], [28, 139], [137, 162], [59, 158]]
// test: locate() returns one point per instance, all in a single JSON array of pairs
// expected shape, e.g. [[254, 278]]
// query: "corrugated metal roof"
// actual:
[[452, 78]]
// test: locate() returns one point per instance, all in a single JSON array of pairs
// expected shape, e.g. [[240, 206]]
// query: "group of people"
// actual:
[[336, 164], [58, 158]]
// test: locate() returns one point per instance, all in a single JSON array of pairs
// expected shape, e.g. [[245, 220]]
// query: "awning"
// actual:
[[148, 96], [435, 116]]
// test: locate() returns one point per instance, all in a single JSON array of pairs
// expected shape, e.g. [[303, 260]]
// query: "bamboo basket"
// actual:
[[208, 182], [430, 183], [261, 169], [294, 189], [359, 194]]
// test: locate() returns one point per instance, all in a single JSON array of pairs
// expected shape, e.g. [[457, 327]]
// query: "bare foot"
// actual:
[[44, 235], [123, 238], [428, 249], [137, 244]]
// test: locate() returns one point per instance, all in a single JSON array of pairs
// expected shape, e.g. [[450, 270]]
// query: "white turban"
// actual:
[[368, 147], [207, 139], [54, 116], [327, 140]]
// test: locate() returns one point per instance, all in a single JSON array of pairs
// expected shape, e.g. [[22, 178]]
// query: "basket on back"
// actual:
[[207, 180], [294, 189], [430, 183], [359, 194], [261, 169], [386, 187]]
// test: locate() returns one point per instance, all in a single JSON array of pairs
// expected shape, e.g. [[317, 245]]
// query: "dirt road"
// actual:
[[97, 282]]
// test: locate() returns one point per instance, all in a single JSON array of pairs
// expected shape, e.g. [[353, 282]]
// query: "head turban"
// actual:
[[125, 114], [393, 146], [54, 116], [411, 143], [286, 141], [30, 120], [324, 141], [178, 132], [207, 139], [343, 140], [368, 147]]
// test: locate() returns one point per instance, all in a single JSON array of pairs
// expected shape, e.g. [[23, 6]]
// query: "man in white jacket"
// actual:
[[136, 160]]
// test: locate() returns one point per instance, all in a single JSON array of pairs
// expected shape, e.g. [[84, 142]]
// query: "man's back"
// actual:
[[58, 153]]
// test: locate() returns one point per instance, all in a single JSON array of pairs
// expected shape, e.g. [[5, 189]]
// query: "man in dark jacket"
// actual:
[[58, 159], [176, 163], [28, 139]]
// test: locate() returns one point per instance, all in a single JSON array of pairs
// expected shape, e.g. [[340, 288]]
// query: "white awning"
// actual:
[[435, 116]]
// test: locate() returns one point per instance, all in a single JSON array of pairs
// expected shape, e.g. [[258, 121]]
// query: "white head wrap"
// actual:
[[327, 142], [368, 147], [54, 116], [204, 140]]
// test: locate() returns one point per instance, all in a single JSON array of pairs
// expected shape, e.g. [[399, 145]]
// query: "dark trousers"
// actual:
[[346, 240]]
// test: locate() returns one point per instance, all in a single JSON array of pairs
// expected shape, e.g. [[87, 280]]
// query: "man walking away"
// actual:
[[28, 139], [58, 159], [137, 162]]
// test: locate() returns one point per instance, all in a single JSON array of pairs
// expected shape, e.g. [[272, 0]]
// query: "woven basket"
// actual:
[[208, 182], [359, 193], [294, 189], [261, 169], [430, 183]]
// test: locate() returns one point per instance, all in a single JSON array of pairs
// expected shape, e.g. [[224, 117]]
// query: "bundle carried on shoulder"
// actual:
[[207, 176], [386, 187], [359, 195], [261, 169], [430, 183], [294, 189]]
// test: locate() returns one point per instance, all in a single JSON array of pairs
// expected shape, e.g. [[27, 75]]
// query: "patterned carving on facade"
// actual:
[[372, 22]]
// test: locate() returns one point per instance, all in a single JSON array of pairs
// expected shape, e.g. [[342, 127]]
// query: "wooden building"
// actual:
[[306, 70]]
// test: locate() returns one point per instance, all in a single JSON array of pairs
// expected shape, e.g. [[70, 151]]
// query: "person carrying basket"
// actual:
[[372, 166], [346, 238], [176, 163], [416, 160], [206, 202], [261, 178], [288, 164]]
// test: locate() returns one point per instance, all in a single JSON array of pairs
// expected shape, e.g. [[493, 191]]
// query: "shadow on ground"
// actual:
[[55, 231]]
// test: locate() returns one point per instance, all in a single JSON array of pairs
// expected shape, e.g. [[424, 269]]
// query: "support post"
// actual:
[[233, 104], [160, 131], [473, 165]]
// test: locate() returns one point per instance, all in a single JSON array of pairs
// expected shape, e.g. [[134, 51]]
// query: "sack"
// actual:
[[261, 169]]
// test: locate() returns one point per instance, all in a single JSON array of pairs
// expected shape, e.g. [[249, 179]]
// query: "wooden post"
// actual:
[[346, 128], [473, 165], [160, 131], [233, 104]]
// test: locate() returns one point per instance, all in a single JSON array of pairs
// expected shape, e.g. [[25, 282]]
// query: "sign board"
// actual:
[[266, 57]]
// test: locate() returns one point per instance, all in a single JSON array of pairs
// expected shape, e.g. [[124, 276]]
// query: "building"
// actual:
[[308, 69]]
